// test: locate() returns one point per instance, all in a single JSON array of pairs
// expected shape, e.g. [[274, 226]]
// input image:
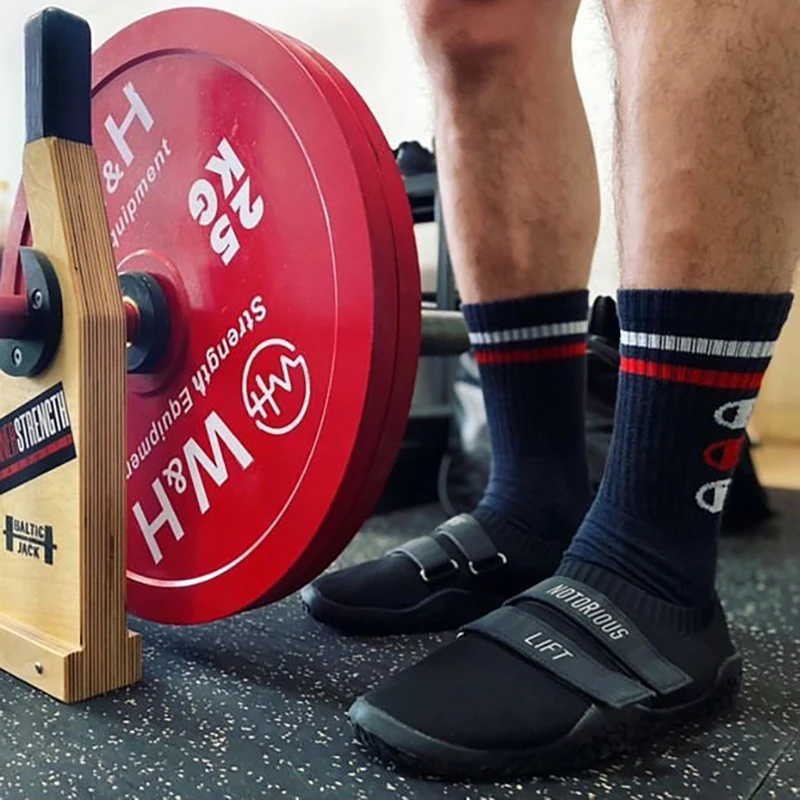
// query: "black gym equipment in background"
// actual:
[[414, 479]]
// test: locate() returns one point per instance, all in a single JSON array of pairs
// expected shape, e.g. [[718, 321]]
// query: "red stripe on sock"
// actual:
[[698, 377], [531, 354]]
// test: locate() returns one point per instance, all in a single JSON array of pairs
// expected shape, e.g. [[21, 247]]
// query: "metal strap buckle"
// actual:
[[439, 574], [482, 567]]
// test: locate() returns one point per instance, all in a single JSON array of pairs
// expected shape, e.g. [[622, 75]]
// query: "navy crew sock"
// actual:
[[531, 353], [691, 368]]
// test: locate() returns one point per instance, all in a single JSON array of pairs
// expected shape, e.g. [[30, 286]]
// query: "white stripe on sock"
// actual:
[[552, 331], [722, 348]]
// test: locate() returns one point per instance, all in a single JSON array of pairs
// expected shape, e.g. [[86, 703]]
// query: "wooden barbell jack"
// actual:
[[63, 624], [61, 410]]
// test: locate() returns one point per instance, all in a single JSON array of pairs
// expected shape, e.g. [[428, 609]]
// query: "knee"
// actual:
[[469, 36]]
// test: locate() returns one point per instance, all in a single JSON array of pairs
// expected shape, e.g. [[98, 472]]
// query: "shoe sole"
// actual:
[[599, 735], [361, 621]]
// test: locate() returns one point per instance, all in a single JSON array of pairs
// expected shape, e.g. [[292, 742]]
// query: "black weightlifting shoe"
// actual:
[[577, 669], [432, 583]]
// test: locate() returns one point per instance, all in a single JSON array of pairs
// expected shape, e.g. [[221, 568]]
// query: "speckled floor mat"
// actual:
[[254, 707]]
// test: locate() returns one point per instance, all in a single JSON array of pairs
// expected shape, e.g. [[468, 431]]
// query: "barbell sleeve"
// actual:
[[14, 317], [444, 333]]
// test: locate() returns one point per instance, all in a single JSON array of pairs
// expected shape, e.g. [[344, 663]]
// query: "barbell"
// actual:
[[270, 288], [28, 319]]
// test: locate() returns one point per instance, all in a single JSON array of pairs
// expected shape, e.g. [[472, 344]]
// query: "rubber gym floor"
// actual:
[[254, 707]]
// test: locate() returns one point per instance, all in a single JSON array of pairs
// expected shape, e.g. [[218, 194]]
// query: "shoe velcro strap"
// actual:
[[598, 616], [466, 533], [433, 560], [536, 641]]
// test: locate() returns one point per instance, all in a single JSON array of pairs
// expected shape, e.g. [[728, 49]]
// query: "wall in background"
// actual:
[[368, 40]]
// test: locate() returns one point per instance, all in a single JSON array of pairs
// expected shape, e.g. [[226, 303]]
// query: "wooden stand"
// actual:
[[63, 625]]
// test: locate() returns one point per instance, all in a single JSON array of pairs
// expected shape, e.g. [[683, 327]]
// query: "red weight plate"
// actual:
[[410, 299], [315, 477], [409, 322], [402, 386], [241, 192], [337, 530]]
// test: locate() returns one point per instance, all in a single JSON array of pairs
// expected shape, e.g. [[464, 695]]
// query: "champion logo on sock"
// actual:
[[715, 363], [735, 415], [724, 454], [534, 343]]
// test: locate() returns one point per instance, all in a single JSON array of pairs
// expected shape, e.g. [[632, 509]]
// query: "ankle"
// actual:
[[534, 513], [552, 494], [672, 564], [522, 545]]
